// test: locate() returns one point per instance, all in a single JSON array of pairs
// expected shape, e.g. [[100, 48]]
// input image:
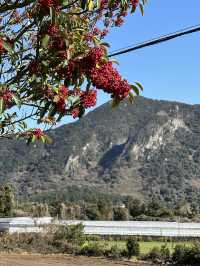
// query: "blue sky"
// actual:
[[169, 70]]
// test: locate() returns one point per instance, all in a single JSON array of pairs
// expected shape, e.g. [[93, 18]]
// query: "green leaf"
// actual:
[[139, 85], [96, 41], [133, 9], [142, 9], [135, 89], [48, 140], [43, 139], [105, 44], [65, 2], [1, 105], [52, 14], [83, 4], [131, 97], [81, 111], [114, 61], [45, 41], [98, 3], [59, 117], [56, 89], [115, 102], [45, 63], [7, 47], [33, 138], [52, 111], [90, 5], [16, 100]]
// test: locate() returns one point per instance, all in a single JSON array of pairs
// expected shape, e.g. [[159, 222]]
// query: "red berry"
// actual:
[[6, 95], [75, 112], [38, 133], [89, 98]]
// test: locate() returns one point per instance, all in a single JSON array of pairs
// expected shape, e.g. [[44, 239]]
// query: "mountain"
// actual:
[[150, 148]]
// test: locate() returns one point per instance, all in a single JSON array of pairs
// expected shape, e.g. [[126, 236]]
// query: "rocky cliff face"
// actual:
[[149, 148]]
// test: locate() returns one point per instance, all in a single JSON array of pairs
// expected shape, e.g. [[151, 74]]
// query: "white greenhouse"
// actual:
[[137, 228], [24, 224]]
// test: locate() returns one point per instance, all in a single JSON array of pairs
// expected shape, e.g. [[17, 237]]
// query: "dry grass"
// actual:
[[7, 259]]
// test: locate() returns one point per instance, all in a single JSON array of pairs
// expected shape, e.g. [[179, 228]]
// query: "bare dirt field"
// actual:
[[58, 260]]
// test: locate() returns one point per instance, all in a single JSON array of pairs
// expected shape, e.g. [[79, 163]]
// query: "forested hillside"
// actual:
[[150, 148]]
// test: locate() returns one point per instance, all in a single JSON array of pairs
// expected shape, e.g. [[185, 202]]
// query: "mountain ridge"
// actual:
[[150, 148]]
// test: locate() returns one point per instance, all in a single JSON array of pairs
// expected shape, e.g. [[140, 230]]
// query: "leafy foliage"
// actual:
[[6, 201], [133, 248], [53, 58]]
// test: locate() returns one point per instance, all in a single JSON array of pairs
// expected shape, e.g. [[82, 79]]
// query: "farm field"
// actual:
[[59, 260], [145, 246]]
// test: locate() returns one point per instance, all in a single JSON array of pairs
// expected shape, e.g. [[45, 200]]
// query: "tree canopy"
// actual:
[[53, 59]]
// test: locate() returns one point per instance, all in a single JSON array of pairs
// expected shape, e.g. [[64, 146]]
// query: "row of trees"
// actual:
[[7, 201], [103, 208]]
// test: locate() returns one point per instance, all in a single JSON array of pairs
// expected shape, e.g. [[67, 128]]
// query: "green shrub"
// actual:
[[55, 239], [92, 249], [159, 255], [133, 247], [165, 253], [72, 233], [114, 252], [93, 238], [186, 255], [154, 255]]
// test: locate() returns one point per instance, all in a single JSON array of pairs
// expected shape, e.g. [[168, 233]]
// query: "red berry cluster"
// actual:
[[62, 94], [115, 11], [109, 80], [78, 67], [49, 3], [58, 44], [38, 133], [34, 67], [6, 95], [119, 21], [102, 75], [135, 3], [45, 5], [7, 41], [75, 112], [52, 30], [89, 98], [93, 58], [61, 105], [96, 32], [63, 91], [2, 50]]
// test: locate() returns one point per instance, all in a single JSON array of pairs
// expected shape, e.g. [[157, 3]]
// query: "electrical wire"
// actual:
[[158, 40]]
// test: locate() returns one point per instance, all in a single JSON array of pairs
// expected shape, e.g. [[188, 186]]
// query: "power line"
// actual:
[[153, 39], [158, 40]]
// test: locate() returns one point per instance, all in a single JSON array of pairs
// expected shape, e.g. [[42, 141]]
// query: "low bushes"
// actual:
[[55, 239], [115, 253], [133, 247], [159, 255], [92, 249], [184, 255], [99, 248], [71, 240]]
